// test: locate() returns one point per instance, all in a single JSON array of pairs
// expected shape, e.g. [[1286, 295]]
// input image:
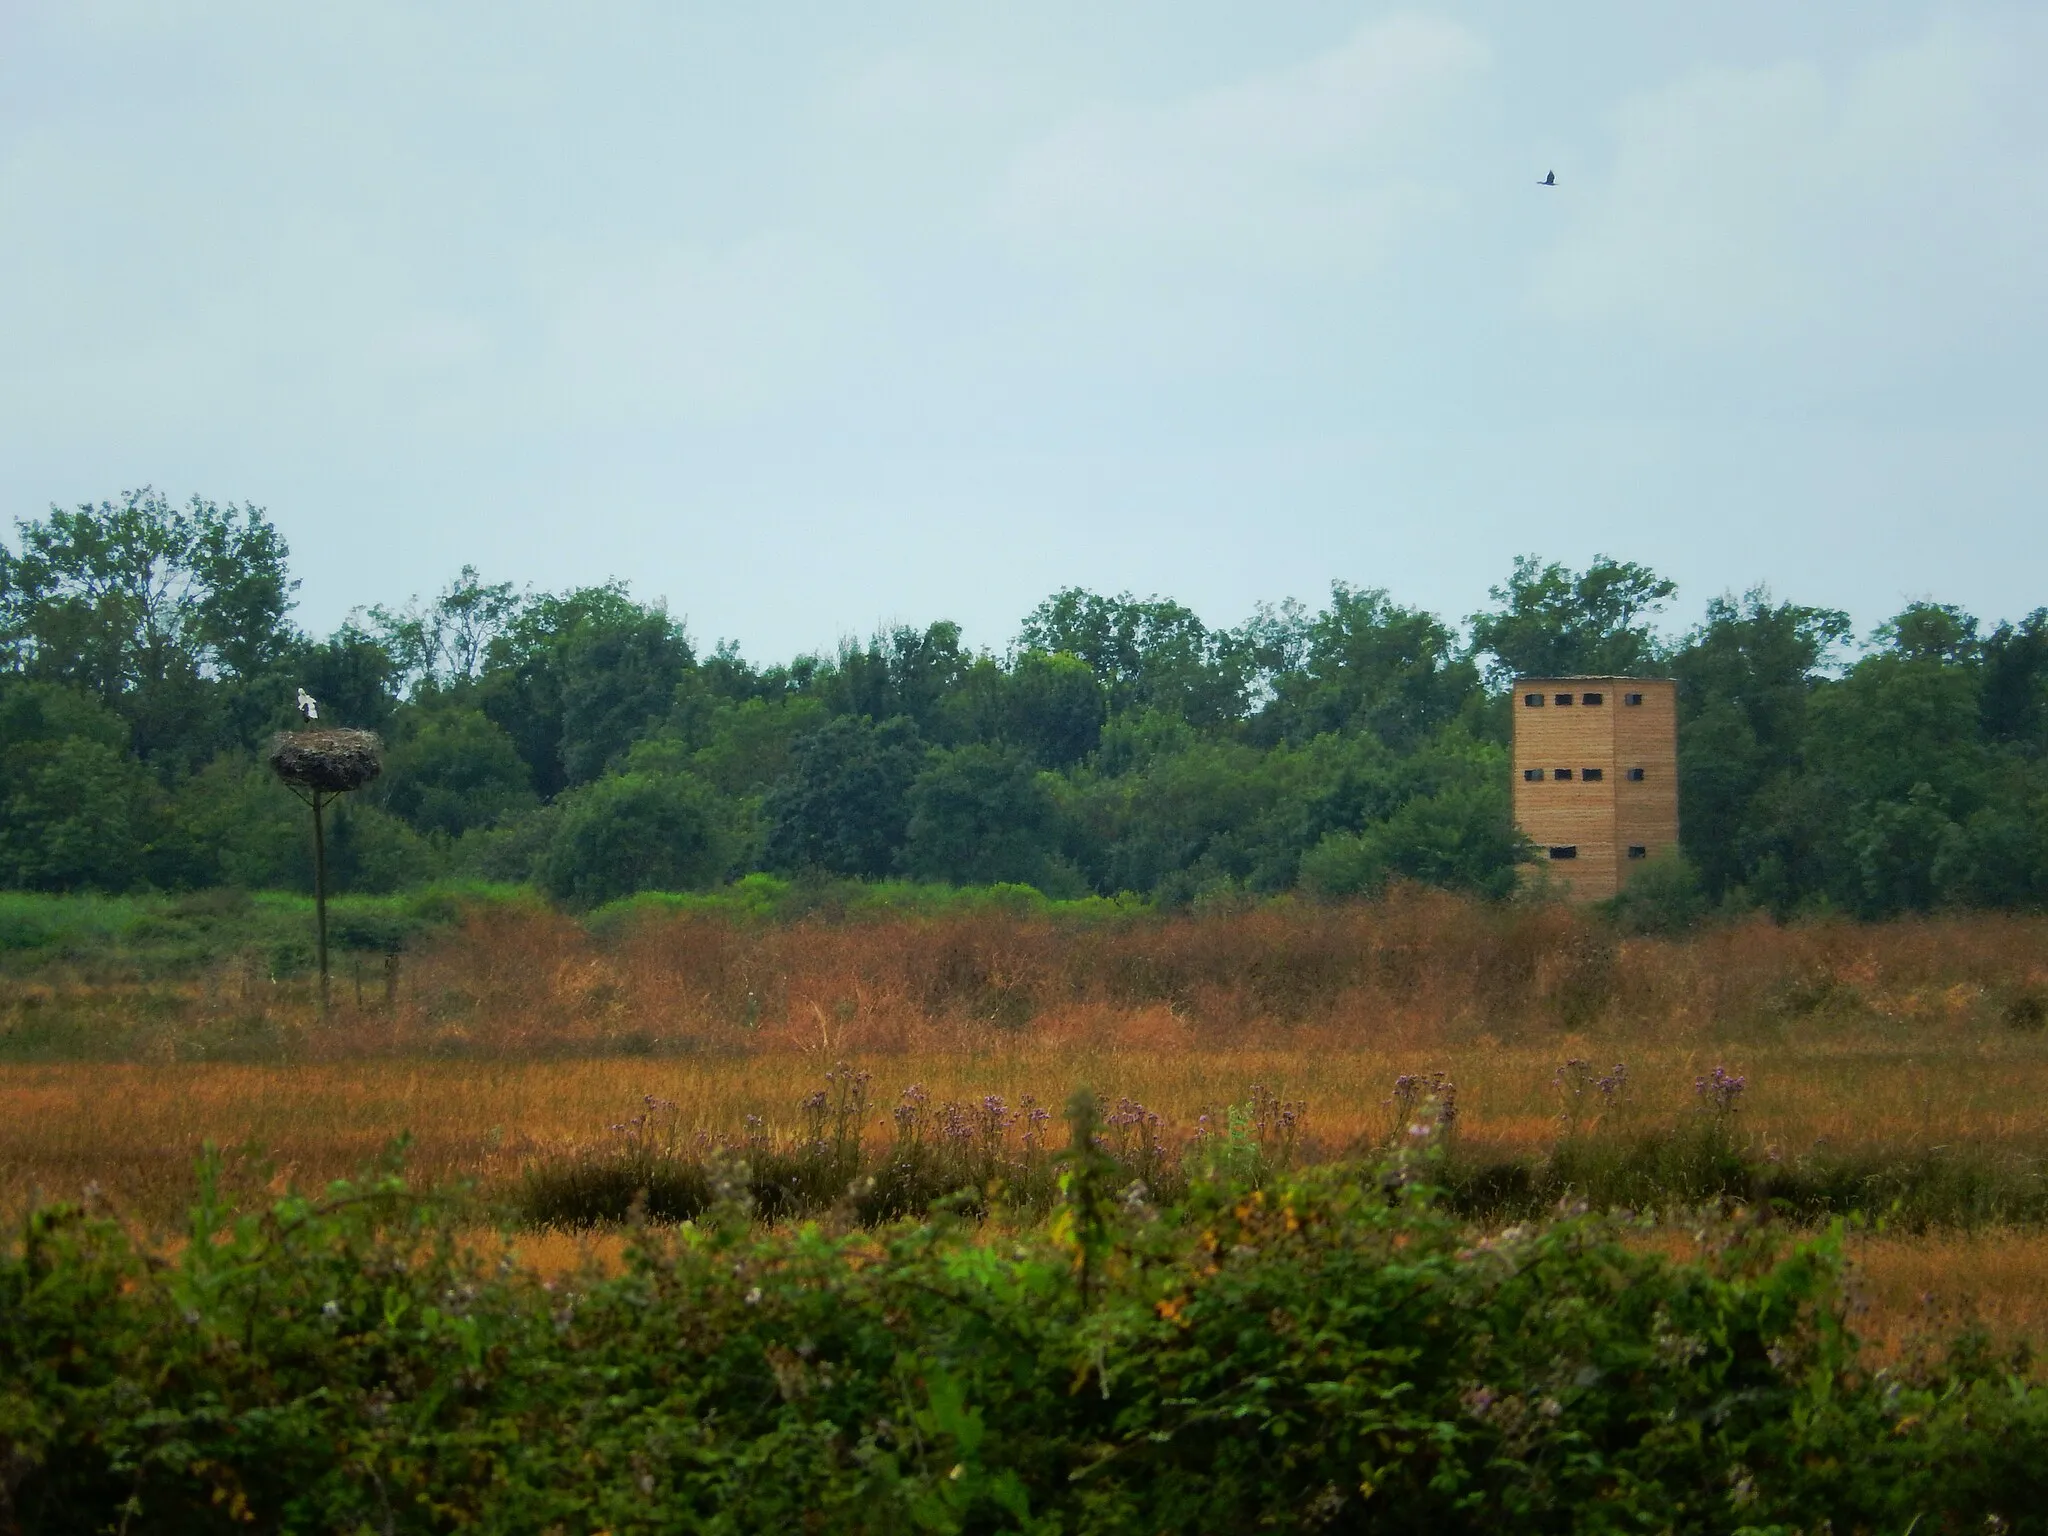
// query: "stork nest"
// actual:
[[327, 760]]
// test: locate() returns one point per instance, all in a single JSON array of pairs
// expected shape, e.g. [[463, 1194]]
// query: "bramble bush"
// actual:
[[1332, 1350]]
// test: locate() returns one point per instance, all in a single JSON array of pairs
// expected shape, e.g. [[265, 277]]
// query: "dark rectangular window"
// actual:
[[1631, 698], [1593, 698], [1635, 775], [1532, 701], [1563, 699], [1560, 773], [1564, 853], [1592, 775], [1638, 851], [1533, 775]]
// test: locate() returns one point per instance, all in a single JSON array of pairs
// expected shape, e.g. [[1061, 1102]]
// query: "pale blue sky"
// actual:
[[811, 317]]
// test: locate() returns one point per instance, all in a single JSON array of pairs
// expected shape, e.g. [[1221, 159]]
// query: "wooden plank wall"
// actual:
[[1646, 737], [1604, 818]]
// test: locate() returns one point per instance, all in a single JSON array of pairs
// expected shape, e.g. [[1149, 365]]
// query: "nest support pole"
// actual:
[[318, 767], [319, 802]]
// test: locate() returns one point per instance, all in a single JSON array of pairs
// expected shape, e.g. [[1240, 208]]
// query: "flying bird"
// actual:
[[308, 710], [1548, 181]]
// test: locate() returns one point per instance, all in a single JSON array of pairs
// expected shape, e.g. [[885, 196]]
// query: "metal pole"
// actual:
[[320, 895]]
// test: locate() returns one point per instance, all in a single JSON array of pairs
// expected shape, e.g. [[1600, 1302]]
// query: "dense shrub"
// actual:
[[1334, 1351], [632, 832]]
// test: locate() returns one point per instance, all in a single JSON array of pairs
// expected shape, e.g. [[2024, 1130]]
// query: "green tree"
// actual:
[[1998, 855], [1440, 817], [235, 825], [979, 815], [159, 610], [1053, 708], [1745, 677], [352, 675], [452, 770], [741, 748], [1936, 632], [1363, 663], [372, 852], [845, 805], [446, 642], [1151, 654], [635, 832], [77, 812], [549, 664], [618, 679], [2014, 701], [1552, 622], [904, 672], [1167, 811], [1894, 764]]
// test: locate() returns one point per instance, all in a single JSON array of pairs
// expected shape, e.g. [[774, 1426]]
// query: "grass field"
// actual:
[[134, 1130], [519, 1035]]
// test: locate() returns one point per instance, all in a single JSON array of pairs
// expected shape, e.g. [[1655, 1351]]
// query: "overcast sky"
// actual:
[[811, 317]]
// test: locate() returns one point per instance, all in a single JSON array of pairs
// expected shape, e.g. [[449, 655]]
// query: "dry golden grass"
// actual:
[[135, 1129], [1915, 1290], [522, 1032]]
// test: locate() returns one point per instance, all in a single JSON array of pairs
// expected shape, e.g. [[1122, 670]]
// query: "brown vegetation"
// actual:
[[521, 1033], [1417, 970]]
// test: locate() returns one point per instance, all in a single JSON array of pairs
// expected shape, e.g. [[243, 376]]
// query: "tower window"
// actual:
[[1563, 699], [1568, 852], [1631, 698], [1635, 775], [1592, 775], [1593, 698], [1533, 775], [1560, 773], [1532, 701], [1638, 851]]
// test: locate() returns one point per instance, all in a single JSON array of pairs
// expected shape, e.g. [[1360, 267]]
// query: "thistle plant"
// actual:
[[1588, 1097], [1424, 1109]]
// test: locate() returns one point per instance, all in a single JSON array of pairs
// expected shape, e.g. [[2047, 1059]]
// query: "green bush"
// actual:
[[1662, 896], [775, 898], [634, 832], [453, 771], [1334, 1351], [1460, 838], [127, 938]]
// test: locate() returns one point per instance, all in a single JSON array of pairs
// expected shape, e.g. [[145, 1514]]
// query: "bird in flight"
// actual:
[[1548, 181], [308, 710]]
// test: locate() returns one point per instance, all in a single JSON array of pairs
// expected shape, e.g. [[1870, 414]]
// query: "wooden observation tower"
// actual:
[[1596, 776]]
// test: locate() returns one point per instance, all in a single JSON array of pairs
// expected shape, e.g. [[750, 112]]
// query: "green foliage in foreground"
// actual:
[[1332, 1351]]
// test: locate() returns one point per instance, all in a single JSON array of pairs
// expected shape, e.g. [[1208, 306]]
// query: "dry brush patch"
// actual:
[[1418, 969]]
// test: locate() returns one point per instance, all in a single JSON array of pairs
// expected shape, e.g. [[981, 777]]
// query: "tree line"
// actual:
[[585, 741]]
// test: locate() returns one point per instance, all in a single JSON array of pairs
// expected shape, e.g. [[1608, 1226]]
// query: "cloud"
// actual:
[[1316, 166], [1890, 207]]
